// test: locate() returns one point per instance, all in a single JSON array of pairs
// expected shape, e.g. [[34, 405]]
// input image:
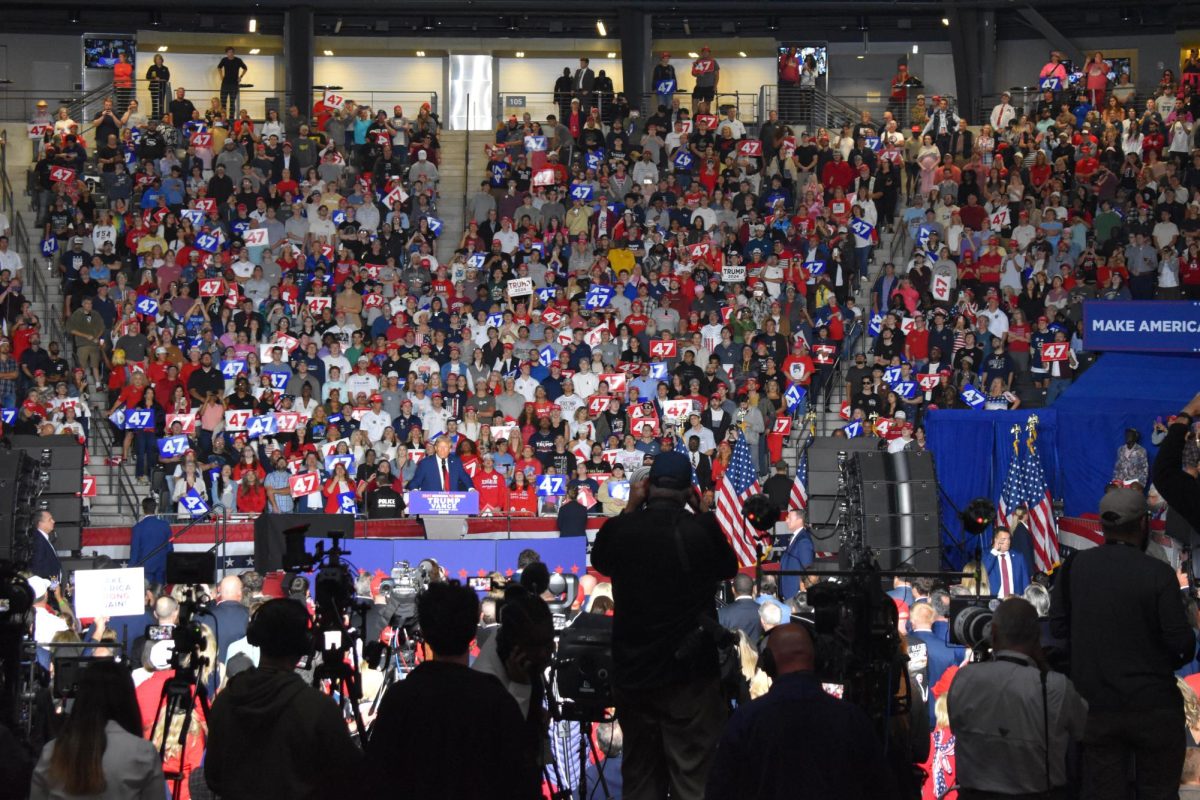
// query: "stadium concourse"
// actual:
[[334, 309]]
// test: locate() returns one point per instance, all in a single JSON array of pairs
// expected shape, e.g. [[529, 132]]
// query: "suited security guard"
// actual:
[[44, 561]]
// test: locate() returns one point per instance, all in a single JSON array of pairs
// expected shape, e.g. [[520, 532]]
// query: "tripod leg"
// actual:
[[599, 766]]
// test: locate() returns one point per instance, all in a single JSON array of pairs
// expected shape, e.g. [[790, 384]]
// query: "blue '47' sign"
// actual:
[[551, 485]]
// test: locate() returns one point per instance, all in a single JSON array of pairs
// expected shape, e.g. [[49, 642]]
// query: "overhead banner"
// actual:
[[1142, 326]]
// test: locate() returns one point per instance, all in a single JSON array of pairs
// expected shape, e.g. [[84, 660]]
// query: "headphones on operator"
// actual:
[[282, 627]]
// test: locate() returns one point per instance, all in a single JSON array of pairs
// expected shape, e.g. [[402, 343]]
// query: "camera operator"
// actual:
[[447, 730], [1012, 718], [1121, 614], [270, 735], [796, 741], [665, 564], [228, 616], [1180, 489], [520, 651]]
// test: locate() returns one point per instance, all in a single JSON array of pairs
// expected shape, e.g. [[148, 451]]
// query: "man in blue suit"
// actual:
[[44, 562], [742, 613], [939, 654], [1007, 572], [800, 553], [441, 472], [146, 537]]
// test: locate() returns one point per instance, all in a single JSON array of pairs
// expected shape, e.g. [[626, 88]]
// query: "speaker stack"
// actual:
[[59, 461], [18, 493], [900, 510], [824, 499]]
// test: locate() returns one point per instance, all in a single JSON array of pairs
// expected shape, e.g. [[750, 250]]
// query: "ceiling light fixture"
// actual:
[[946, 21], [600, 27], [328, 52], [693, 54], [742, 53], [520, 54], [420, 53], [254, 51], [253, 27], [162, 48], [337, 26], [612, 55]]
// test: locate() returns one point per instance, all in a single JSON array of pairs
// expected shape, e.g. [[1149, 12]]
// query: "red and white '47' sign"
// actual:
[[698, 250], [783, 426], [906, 325], [552, 317], [287, 421], [334, 100], [824, 353], [396, 195], [212, 287], [703, 65], [89, 487], [303, 484], [664, 349], [615, 381], [750, 147], [1055, 351], [928, 381], [236, 419], [318, 304], [206, 204], [255, 237], [186, 421], [597, 404], [62, 174], [941, 288], [202, 139], [373, 301]]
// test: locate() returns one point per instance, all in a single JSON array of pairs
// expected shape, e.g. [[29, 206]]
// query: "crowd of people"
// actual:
[[629, 290]]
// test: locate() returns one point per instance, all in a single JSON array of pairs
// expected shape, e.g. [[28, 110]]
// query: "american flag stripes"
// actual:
[[1025, 485], [799, 496], [738, 483]]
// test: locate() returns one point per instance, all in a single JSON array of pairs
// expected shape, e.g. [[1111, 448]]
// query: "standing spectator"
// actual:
[[1121, 613], [447, 695], [270, 734], [562, 97], [122, 81], [582, 84], [707, 73], [663, 71], [231, 69], [100, 752], [1012, 718], [1007, 572], [160, 82], [150, 543], [1133, 465], [772, 749], [664, 565]]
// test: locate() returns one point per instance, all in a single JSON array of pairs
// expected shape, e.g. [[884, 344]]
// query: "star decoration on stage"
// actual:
[[574, 569]]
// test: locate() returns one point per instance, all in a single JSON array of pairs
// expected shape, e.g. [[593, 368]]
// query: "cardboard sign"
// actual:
[[615, 380], [236, 419], [551, 485], [972, 396], [201, 140], [733, 274], [782, 426], [750, 147], [520, 286], [303, 484], [928, 381], [256, 237], [38, 130], [396, 195], [703, 65], [62, 175], [552, 318], [709, 120], [1048, 84], [206, 204], [794, 396], [941, 288], [645, 426], [187, 421], [316, 305], [665, 86], [212, 287], [582, 191], [334, 100], [999, 219], [288, 421], [89, 487], [173, 446], [824, 354], [664, 348], [677, 410], [598, 297], [110, 592], [1055, 351]]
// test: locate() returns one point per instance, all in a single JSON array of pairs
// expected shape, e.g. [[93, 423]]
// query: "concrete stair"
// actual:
[[452, 189]]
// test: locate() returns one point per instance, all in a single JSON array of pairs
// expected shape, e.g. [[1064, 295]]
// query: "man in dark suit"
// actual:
[[441, 472], [44, 561], [228, 617], [939, 654], [582, 84], [146, 538], [1007, 572], [701, 463], [742, 613], [800, 553], [962, 143]]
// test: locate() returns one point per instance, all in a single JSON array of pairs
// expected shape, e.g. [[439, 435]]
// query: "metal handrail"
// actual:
[[541, 104]]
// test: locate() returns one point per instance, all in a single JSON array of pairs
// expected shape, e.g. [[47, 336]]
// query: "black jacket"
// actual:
[[1179, 489], [1122, 614], [742, 615], [270, 735], [429, 720], [663, 583]]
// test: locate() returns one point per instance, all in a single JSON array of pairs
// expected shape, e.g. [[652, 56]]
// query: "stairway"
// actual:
[[452, 189]]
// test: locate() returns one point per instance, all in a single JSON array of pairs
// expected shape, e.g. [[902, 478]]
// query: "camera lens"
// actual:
[[973, 626]]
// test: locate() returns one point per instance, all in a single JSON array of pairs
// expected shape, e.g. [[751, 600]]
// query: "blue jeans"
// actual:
[[863, 256], [1057, 387], [145, 446]]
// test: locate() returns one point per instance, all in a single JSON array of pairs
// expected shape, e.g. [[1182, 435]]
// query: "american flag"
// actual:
[[1025, 485], [799, 497], [739, 482]]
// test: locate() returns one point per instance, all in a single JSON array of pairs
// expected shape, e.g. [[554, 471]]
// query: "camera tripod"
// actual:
[[183, 691]]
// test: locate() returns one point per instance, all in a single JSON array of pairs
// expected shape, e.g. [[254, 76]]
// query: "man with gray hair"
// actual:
[[1012, 718]]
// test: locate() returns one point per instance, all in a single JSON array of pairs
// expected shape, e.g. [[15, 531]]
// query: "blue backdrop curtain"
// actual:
[[972, 451], [1077, 440]]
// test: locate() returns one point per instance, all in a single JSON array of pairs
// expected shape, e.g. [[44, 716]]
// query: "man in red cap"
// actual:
[[707, 72], [664, 78], [375, 419]]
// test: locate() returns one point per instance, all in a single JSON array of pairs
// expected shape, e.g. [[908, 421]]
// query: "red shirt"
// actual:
[[917, 342], [254, 500], [523, 502], [493, 492]]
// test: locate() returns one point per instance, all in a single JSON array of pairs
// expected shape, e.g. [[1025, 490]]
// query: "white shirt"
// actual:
[[341, 362], [1002, 114], [1004, 564], [46, 624], [527, 386], [508, 241], [11, 260], [365, 383], [586, 383], [997, 321], [373, 424]]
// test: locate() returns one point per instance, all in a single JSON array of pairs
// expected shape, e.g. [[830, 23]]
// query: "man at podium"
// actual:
[[441, 472]]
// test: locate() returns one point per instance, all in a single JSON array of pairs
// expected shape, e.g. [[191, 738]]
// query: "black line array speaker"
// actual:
[[10, 470], [59, 461], [823, 487], [901, 516]]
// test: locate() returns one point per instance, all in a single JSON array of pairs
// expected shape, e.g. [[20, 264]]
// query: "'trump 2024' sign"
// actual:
[[466, 503], [1139, 325]]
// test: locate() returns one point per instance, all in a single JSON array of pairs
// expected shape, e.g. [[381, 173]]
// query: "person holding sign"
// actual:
[[1053, 77], [664, 82], [707, 73]]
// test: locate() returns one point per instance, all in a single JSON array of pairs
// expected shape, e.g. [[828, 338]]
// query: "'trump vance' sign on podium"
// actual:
[[443, 503]]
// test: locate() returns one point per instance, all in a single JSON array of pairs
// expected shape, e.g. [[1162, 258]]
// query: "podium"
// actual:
[[444, 513]]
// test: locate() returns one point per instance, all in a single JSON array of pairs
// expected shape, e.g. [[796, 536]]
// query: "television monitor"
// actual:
[[820, 54], [100, 51]]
